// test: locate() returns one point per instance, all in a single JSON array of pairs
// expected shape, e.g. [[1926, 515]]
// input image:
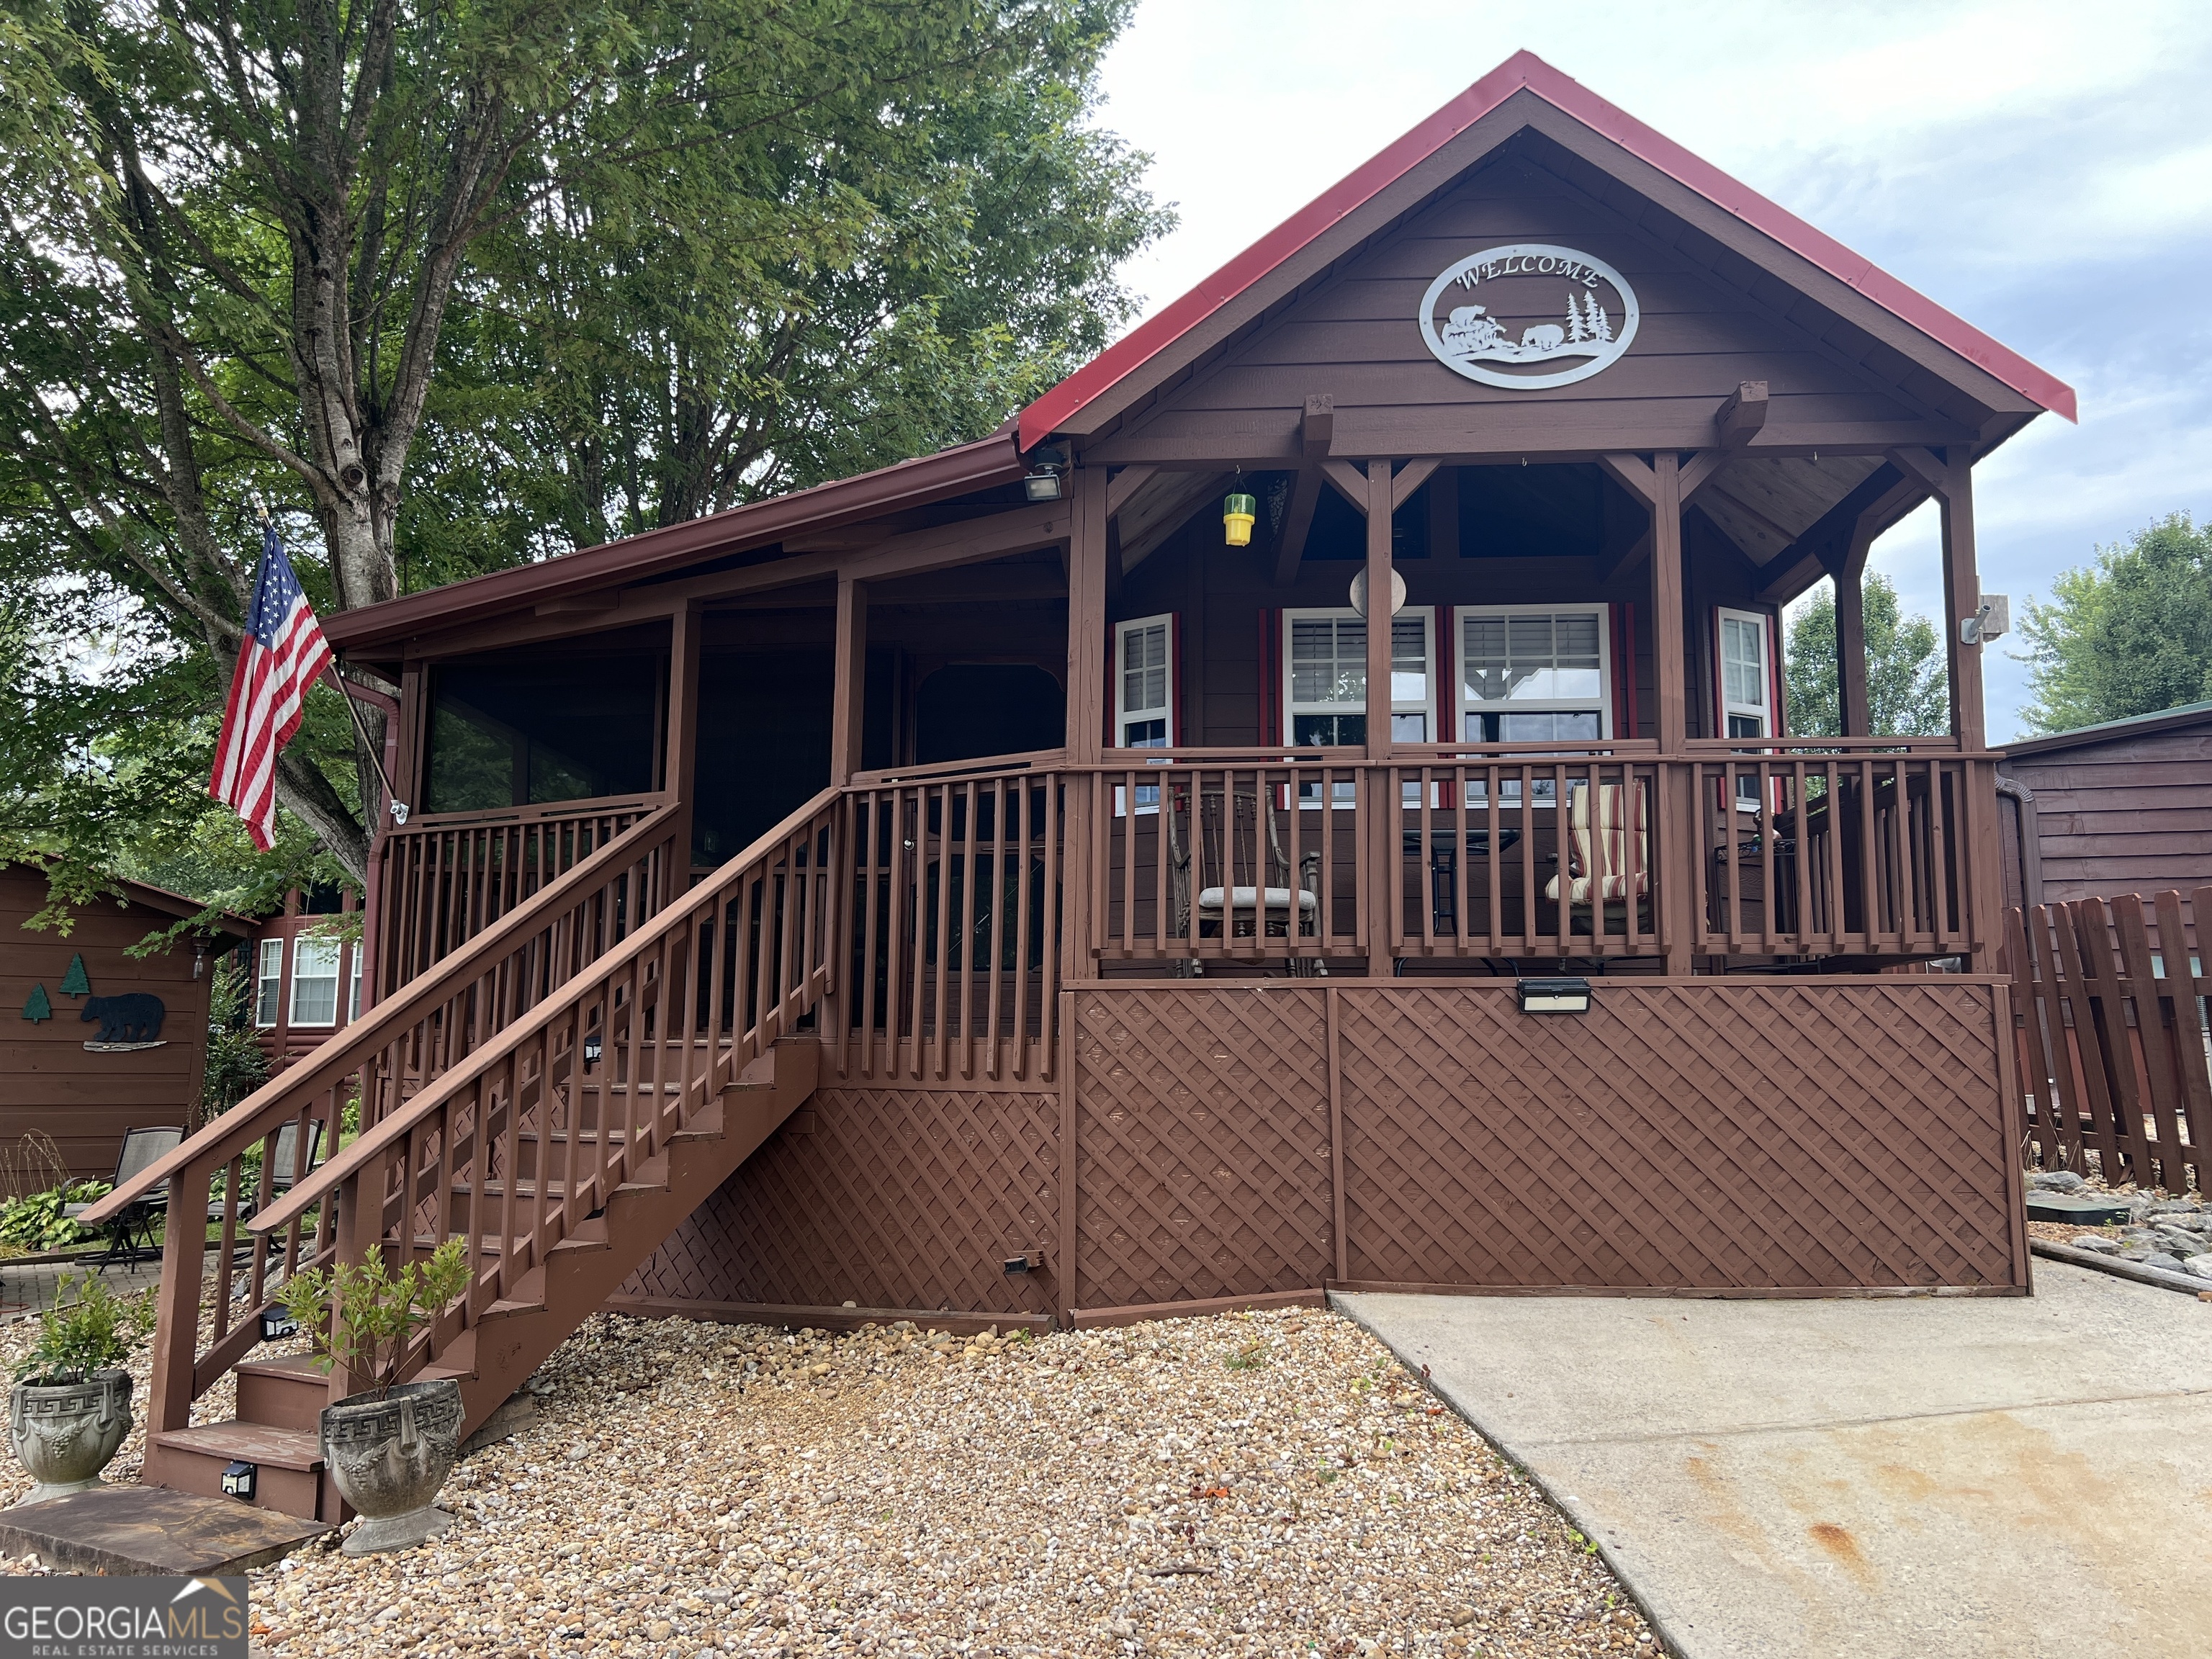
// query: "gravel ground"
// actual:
[[1262, 1483]]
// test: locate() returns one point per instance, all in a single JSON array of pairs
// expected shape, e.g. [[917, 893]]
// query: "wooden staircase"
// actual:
[[561, 1093]]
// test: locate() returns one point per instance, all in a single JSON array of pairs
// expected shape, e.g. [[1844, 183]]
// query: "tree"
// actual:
[[1908, 688], [2129, 634], [462, 284]]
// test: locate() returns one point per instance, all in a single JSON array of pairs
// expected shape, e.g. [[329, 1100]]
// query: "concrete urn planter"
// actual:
[[390, 1456], [65, 1433]]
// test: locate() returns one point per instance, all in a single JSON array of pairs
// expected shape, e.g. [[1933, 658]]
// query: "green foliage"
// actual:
[[1908, 687], [493, 281], [235, 1065], [377, 1311], [89, 1328], [2130, 635], [35, 1221]]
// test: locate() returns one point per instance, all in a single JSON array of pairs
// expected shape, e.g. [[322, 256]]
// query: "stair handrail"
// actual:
[[350, 1046], [374, 1146]]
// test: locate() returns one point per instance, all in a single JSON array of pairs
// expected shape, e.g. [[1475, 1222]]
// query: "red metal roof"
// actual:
[[1524, 69]]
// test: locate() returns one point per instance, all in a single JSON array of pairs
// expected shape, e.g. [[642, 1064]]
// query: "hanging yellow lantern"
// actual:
[[1236, 515]]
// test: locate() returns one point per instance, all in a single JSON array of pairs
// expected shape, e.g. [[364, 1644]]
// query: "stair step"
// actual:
[[287, 1392], [249, 1442]]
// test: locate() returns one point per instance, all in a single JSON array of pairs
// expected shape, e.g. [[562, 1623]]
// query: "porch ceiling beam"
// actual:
[[1125, 484], [1940, 476], [1741, 415], [1411, 476], [1499, 443], [1700, 469], [1842, 535], [1781, 532], [1317, 430]]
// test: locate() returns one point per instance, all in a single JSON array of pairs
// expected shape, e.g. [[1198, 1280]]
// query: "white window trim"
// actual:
[[262, 977], [1765, 715], [1171, 711], [1423, 705], [1462, 706], [353, 980], [336, 978]]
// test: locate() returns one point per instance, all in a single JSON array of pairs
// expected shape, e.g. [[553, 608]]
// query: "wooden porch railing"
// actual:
[[2114, 1044], [206, 1324], [514, 1146], [441, 880]]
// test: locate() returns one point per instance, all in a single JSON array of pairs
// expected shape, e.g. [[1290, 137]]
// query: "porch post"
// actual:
[[1382, 814], [1677, 801], [1086, 719], [849, 697], [679, 759], [1962, 597], [1850, 646]]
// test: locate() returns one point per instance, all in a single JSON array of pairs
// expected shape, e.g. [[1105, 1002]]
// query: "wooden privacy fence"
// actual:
[[2113, 1037]]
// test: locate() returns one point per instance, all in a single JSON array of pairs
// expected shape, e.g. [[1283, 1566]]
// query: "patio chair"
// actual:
[[131, 1234], [1609, 859], [1223, 845], [283, 1166]]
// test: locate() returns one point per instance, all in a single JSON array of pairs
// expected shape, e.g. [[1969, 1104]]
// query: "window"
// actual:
[[270, 982], [1143, 693], [1534, 674], [1747, 689], [315, 981], [1325, 665], [352, 1001]]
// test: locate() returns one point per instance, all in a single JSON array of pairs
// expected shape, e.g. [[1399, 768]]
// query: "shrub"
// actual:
[[377, 1311], [89, 1328], [35, 1221]]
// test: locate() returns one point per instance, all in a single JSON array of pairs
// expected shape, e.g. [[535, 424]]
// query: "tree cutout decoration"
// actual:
[[37, 1008], [73, 983]]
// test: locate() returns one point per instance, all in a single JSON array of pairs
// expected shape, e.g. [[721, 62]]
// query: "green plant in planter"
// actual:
[[377, 1311], [89, 1328]]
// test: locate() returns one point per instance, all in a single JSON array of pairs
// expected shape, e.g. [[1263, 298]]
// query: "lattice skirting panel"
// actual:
[[1707, 1136], [891, 1198], [1715, 1136]]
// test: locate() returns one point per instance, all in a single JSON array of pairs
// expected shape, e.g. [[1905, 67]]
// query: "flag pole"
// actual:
[[398, 807]]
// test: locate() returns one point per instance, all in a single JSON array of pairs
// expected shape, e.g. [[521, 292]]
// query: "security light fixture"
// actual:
[[1043, 483], [238, 1481], [1554, 996]]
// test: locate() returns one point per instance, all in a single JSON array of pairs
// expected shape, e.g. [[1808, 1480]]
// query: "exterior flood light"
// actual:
[[1554, 996], [1043, 483], [238, 1481], [1237, 514]]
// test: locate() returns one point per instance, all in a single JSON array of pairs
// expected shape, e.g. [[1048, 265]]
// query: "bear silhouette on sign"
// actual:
[[134, 1016]]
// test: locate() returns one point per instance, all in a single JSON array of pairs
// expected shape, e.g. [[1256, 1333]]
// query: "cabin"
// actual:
[[1030, 885], [2121, 807], [100, 1041], [303, 971]]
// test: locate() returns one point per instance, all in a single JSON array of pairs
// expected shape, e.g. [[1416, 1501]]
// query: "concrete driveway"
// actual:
[[1894, 1479]]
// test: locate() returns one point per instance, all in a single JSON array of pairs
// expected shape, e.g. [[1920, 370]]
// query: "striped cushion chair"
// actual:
[[1610, 858]]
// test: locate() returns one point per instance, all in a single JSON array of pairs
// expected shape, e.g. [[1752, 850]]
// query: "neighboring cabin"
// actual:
[[304, 979], [85, 1097], [2124, 807]]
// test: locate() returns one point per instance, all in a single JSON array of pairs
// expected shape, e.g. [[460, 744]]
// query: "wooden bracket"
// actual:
[[1348, 481], [1411, 476], [1317, 432], [1627, 559], [1915, 462], [1632, 475], [1741, 415], [1699, 470]]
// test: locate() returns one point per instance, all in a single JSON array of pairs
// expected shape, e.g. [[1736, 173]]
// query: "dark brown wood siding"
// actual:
[[2131, 814], [49, 1080]]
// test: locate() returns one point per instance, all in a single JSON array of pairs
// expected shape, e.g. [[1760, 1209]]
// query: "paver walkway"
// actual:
[[1956, 1477], [25, 1289]]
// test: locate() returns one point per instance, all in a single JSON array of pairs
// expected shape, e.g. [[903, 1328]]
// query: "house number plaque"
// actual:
[[1528, 316]]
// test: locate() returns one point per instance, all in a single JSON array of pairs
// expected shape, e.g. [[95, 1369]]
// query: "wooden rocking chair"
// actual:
[[1609, 859], [1241, 893]]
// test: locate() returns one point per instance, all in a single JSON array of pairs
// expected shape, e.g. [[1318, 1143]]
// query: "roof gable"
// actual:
[[1523, 92]]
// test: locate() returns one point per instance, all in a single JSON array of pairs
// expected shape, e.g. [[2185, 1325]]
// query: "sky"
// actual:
[[2043, 171]]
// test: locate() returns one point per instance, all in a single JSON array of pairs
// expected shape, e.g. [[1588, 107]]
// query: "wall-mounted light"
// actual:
[[1029, 1262], [238, 1481], [592, 1048], [1554, 996], [1044, 482], [277, 1325], [1238, 512]]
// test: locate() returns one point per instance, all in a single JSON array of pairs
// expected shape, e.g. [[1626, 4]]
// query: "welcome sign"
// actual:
[[1528, 315]]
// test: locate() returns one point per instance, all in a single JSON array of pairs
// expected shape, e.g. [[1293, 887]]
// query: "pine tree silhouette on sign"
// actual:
[[1577, 332], [74, 982], [1600, 326], [36, 1007]]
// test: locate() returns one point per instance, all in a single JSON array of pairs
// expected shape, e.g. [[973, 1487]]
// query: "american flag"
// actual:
[[283, 653]]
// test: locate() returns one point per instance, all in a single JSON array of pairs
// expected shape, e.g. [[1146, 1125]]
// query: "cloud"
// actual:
[[2037, 168]]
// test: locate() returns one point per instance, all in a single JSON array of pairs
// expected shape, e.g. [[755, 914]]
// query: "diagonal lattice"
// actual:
[[889, 1198], [1202, 1143], [1731, 1136]]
